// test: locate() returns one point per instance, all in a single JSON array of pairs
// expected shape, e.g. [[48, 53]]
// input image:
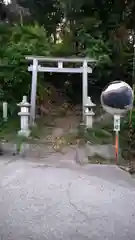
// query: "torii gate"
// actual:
[[36, 67]]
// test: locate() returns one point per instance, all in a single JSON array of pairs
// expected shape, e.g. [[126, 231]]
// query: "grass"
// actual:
[[102, 133], [9, 129], [98, 136]]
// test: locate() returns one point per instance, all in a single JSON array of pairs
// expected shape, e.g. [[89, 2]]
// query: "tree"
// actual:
[[3, 14], [47, 13], [22, 41]]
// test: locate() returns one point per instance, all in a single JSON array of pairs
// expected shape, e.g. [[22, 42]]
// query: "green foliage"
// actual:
[[98, 136], [64, 49], [22, 41], [131, 116]]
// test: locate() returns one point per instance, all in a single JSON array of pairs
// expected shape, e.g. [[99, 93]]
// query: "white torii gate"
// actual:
[[36, 67]]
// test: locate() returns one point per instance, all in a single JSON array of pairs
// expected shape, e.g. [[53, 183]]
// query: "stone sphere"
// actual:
[[117, 98]]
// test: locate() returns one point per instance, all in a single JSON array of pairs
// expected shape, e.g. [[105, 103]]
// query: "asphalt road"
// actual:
[[53, 203]]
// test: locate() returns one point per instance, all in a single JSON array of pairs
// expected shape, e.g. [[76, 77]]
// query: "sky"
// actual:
[[7, 1]]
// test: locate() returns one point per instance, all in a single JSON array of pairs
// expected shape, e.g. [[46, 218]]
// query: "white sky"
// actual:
[[7, 1]]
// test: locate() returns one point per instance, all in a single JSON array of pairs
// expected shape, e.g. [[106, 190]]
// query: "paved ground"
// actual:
[[65, 203]]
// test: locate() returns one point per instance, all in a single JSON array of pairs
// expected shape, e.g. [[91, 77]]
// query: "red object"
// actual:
[[116, 147]]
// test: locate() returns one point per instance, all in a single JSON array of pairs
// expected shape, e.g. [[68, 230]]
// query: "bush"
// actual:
[[22, 41]]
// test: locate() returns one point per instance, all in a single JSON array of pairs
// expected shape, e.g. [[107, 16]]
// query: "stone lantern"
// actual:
[[89, 113], [24, 117]]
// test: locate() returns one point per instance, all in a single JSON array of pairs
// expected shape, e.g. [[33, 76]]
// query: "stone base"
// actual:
[[24, 133]]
